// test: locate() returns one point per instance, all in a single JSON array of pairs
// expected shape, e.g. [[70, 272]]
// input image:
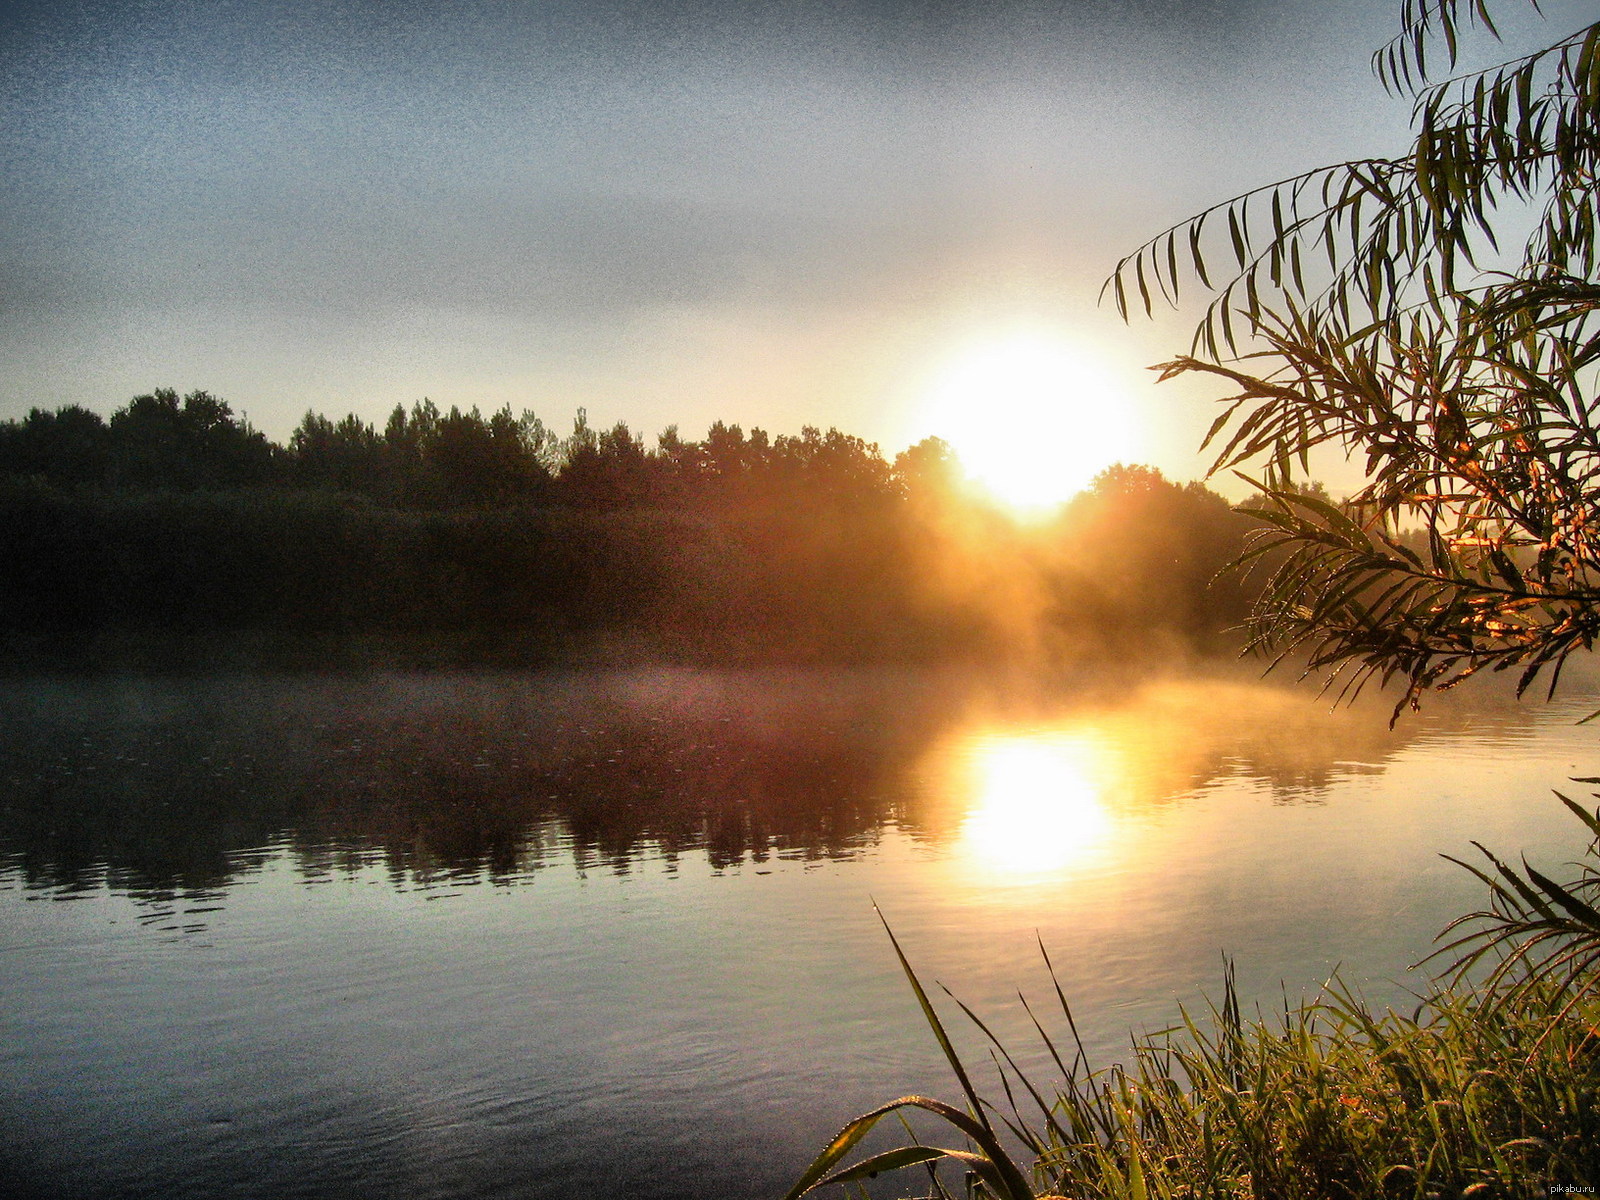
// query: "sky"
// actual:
[[671, 212]]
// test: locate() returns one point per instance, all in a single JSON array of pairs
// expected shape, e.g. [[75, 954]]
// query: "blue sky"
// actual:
[[776, 214]]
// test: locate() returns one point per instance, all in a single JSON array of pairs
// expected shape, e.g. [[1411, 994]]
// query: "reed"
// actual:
[[1489, 1088]]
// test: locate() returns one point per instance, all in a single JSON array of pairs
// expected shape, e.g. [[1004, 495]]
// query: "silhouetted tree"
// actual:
[[348, 456], [474, 461], [159, 442], [1147, 556], [608, 470], [832, 468], [928, 468], [70, 445]]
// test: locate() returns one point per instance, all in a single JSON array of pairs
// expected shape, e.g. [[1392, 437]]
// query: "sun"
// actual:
[[1031, 417]]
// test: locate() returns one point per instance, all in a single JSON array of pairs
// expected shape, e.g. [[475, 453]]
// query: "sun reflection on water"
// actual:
[[1036, 803]]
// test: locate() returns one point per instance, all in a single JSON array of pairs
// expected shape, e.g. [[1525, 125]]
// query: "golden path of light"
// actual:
[[1036, 803]]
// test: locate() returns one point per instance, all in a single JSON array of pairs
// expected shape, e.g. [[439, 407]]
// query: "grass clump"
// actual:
[[1490, 1087]]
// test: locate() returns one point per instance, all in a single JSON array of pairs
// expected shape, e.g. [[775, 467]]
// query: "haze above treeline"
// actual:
[[175, 534]]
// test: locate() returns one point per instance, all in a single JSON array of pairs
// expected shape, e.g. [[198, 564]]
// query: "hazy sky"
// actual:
[[771, 213]]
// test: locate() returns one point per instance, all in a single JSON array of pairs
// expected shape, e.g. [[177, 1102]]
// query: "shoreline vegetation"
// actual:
[[1490, 1087], [173, 536]]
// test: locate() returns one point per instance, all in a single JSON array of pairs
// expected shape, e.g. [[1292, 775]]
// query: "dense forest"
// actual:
[[174, 531]]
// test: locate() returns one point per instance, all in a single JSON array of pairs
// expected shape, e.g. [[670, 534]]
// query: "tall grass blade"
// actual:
[[935, 1024]]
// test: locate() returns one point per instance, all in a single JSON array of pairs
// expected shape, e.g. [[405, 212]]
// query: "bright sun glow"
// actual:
[[1036, 803], [1031, 418]]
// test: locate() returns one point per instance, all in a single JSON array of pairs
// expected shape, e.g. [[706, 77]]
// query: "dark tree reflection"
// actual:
[[177, 787]]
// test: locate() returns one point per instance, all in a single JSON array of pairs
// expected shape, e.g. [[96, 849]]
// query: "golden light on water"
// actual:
[[1031, 417], [1019, 793], [1037, 803]]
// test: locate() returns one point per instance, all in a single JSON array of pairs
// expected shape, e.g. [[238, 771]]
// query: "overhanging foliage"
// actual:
[[1378, 307]]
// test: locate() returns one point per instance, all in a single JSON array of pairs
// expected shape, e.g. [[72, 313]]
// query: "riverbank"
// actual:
[[1489, 1087]]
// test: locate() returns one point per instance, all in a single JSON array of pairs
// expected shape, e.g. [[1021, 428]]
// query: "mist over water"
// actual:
[[539, 935]]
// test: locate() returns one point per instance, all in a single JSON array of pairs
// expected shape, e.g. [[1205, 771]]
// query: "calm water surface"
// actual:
[[424, 936]]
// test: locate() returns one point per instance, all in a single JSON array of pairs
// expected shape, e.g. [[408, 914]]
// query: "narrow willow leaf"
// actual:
[[1169, 285], [1195, 256], [1507, 569], [1482, 8]]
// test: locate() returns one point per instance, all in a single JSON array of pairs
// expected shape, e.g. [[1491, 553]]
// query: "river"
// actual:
[[477, 936]]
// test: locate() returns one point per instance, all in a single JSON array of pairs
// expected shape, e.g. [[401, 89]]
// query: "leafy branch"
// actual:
[[1358, 313]]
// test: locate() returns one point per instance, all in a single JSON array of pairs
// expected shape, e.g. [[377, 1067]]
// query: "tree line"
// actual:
[[427, 458], [451, 537]]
